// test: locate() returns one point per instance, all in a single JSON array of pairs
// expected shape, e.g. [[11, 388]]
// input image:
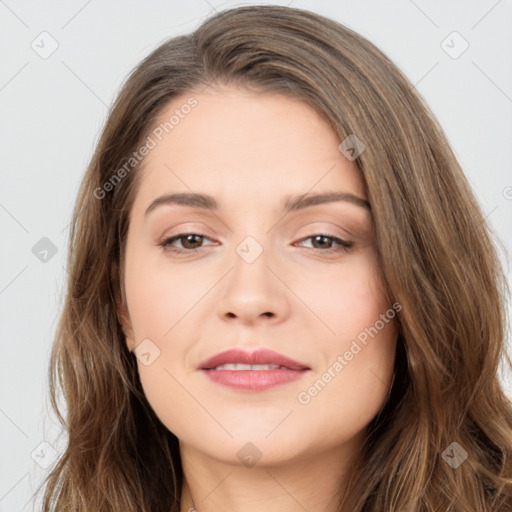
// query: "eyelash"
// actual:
[[344, 246]]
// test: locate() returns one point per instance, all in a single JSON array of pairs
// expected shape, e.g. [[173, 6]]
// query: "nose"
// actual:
[[253, 292]]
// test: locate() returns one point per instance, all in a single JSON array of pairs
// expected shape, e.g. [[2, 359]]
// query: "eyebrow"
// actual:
[[290, 203]]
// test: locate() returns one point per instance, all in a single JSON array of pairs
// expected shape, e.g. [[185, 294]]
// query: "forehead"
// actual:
[[236, 143]]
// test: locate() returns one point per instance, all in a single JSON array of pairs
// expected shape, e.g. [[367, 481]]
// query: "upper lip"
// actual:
[[261, 356]]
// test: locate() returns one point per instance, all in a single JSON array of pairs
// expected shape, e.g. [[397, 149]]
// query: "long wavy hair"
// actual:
[[437, 257]]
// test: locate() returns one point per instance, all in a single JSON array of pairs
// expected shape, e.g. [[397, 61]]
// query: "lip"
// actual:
[[261, 356], [253, 380]]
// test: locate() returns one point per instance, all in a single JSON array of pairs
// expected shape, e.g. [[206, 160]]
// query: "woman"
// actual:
[[283, 293]]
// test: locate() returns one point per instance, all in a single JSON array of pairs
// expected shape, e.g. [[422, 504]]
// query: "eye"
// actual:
[[325, 243], [190, 242]]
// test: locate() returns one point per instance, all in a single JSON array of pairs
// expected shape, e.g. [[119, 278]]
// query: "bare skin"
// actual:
[[305, 296]]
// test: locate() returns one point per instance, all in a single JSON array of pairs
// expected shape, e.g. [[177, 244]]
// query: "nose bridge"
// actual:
[[250, 274], [252, 290]]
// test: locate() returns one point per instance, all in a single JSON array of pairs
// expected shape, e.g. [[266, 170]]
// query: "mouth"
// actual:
[[242, 367], [255, 371]]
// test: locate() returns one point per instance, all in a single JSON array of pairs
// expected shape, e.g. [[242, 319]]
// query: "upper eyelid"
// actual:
[[204, 235], [313, 231]]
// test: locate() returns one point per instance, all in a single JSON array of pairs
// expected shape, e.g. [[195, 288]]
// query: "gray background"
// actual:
[[53, 108]]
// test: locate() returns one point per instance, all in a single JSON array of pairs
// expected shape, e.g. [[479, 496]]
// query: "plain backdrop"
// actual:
[[62, 64]]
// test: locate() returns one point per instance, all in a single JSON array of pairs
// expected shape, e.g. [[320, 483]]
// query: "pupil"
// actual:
[[321, 237], [187, 240]]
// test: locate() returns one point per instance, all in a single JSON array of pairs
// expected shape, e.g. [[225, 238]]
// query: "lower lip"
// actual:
[[253, 380]]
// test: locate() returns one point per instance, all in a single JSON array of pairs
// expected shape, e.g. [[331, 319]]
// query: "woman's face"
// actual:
[[271, 270]]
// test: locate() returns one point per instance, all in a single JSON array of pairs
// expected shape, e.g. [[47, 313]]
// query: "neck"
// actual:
[[305, 483]]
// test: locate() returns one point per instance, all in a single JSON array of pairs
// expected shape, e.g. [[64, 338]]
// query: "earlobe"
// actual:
[[123, 315], [124, 319]]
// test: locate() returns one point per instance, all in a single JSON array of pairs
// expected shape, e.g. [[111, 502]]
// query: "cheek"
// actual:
[[158, 301], [356, 367], [352, 384], [347, 298], [159, 295]]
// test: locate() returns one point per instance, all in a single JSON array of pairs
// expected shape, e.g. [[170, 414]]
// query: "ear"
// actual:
[[123, 314]]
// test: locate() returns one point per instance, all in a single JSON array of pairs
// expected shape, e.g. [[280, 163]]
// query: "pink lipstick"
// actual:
[[252, 371]]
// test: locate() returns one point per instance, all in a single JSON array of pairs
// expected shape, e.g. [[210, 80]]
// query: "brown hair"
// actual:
[[436, 255]]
